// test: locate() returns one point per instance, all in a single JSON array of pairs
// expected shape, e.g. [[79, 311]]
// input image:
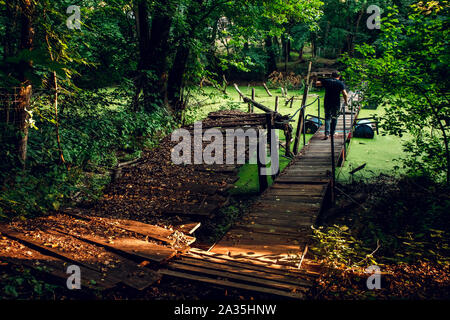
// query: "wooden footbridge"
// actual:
[[264, 252]]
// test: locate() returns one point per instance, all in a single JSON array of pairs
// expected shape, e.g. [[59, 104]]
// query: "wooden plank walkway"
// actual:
[[109, 252], [262, 252]]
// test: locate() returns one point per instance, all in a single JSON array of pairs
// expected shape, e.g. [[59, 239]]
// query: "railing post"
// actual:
[[262, 179], [318, 108], [253, 98], [351, 115], [304, 129], [333, 169], [345, 138]]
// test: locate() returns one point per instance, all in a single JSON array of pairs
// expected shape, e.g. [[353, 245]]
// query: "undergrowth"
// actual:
[[97, 130], [398, 224]]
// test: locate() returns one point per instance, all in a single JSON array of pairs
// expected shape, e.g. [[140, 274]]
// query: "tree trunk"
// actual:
[[159, 44], [154, 50], [175, 83], [143, 33], [313, 46], [10, 28], [272, 59], [23, 98], [288, 49], [300, 53]]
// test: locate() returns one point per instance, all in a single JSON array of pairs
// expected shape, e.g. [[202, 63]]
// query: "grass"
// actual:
[[214, 101], [379, 154]]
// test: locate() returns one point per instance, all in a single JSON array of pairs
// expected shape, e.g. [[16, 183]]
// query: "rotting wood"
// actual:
[[133, 248], [213, 263], [124, 273], [223, 273], [226, 283], [267, 90], [56, 269], [247, 263]]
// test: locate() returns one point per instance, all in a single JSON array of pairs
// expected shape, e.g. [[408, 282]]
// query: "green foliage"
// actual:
[[96, 132], [23, 284], [404, 221], [337, 244], [407, 71]]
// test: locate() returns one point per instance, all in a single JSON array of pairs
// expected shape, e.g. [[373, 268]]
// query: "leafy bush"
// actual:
[[285, 80], [340, 247], [97, 130]]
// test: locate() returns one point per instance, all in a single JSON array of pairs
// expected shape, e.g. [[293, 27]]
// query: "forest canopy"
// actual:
[[125, 73]]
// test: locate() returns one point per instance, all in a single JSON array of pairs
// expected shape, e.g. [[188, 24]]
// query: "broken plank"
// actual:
[[226, 283], [133, 248], [188, 228], [224, 273], [292, 198], [57, 269], [242, 268], [251, 263]]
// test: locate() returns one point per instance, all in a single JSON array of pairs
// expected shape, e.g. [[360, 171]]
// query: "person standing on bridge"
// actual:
[[333, 89]]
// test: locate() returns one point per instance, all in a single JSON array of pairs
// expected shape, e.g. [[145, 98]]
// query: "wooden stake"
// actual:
[[267, 89], [261, 178], [301, 115], [253, 98]]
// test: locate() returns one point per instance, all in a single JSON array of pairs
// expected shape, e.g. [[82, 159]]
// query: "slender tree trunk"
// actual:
[[444, 132], [160, 47], [358, 21], [23, 98], [300, 53], [313, 45], [289, 49], [10, 27], [154, 51], [175, 83], [55, 104], [55, 100], [143, 33], [272, 60]]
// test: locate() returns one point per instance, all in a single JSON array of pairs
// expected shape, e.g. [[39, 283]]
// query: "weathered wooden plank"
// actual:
[[282, 186], [133, 247], [239, 241], [285, 206], [56, 269], [253, 264], [295, 192], [226, 283], [224, 273], [292, 198], [194, 210], [280, 219], [148, 230], [229, 266], [116, 266], [301, 179], [188, 228], [255, 268], [272, 229], [122, 273]]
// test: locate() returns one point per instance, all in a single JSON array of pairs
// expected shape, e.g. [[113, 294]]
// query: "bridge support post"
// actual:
[[345, 134], [333, 172], [262, 179]]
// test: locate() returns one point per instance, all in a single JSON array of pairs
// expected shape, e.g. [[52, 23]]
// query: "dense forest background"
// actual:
[[88, 84], [77, 97]]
